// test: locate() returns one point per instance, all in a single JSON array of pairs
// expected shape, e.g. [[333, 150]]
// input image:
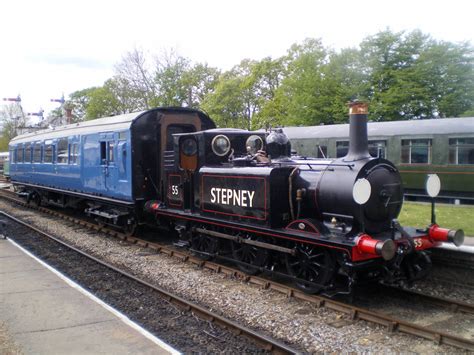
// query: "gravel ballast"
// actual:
[[177, 327], [290, 320]]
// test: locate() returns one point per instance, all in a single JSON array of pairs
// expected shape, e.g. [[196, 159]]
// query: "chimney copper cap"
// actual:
[[358, 108]]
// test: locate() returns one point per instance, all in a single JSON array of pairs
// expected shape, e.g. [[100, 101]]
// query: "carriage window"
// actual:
[[62, 151], [28, 153], [111, 152], [73, 153], [12, 155], [416, 151], [377, 148], [122, 136], [37, 153], [321, 151], [21, 154], [461, 151], [341, 149], [48, 153], [175, 129], [103, 152]]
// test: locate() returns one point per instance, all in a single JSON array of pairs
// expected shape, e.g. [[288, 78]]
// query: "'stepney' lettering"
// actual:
[[242, 198]]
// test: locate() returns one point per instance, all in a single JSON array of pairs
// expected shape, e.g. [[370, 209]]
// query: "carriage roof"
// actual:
[[106, 124], [392, 128]]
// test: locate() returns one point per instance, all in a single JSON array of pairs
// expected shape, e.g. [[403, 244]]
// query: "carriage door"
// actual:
[[108, 161]]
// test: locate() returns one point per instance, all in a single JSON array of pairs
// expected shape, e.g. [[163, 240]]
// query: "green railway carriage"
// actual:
[[418, 147]]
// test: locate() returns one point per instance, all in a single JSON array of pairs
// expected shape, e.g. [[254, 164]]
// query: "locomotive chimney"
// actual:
[[358, 142]]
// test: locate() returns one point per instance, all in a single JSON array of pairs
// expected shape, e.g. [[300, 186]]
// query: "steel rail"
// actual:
[[453, 305], [355, 313], [267, 343]]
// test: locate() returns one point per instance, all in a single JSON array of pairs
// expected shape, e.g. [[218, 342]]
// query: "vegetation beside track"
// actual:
[[447, 216]]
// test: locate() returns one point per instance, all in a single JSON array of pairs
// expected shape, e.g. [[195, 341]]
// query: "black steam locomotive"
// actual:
[[235, 194], [325, 223]]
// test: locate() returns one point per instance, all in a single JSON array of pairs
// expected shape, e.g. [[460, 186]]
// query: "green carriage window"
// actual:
[[321, 151], [461, 151], [342, 148], [416, 151], [378, 149]]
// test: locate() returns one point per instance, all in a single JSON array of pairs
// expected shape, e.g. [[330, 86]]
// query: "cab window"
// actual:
[[175, 129]]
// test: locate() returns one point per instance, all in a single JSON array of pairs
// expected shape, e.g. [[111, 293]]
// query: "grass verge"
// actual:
[[418, 214]]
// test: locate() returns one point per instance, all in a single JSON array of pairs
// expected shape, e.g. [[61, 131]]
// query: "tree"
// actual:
[[55, 117], [135, 71], [170, 68], [448, 75], [199, 81], [306, 94], [225, 104], [345, 80], [402, 76], [387, 59], [241, 93], [264, 79], [12, 119], [78, 101], [103, 102], [113, 98], [413, 76]]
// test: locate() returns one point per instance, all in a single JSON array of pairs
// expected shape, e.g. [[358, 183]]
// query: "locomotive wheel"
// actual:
[[311, 264], [417, 266], [250, 254], [203, 245]]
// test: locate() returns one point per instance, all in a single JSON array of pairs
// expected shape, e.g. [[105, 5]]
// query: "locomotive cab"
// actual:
[[212, 148]]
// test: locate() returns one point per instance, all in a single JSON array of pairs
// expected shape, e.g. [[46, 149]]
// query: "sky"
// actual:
[[50, 48]]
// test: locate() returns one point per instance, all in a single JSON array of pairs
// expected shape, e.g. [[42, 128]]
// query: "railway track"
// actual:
[[263, 341], [454, 305], [391, 323]]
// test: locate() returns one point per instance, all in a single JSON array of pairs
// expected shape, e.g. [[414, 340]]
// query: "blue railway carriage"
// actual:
[[106, 166]]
